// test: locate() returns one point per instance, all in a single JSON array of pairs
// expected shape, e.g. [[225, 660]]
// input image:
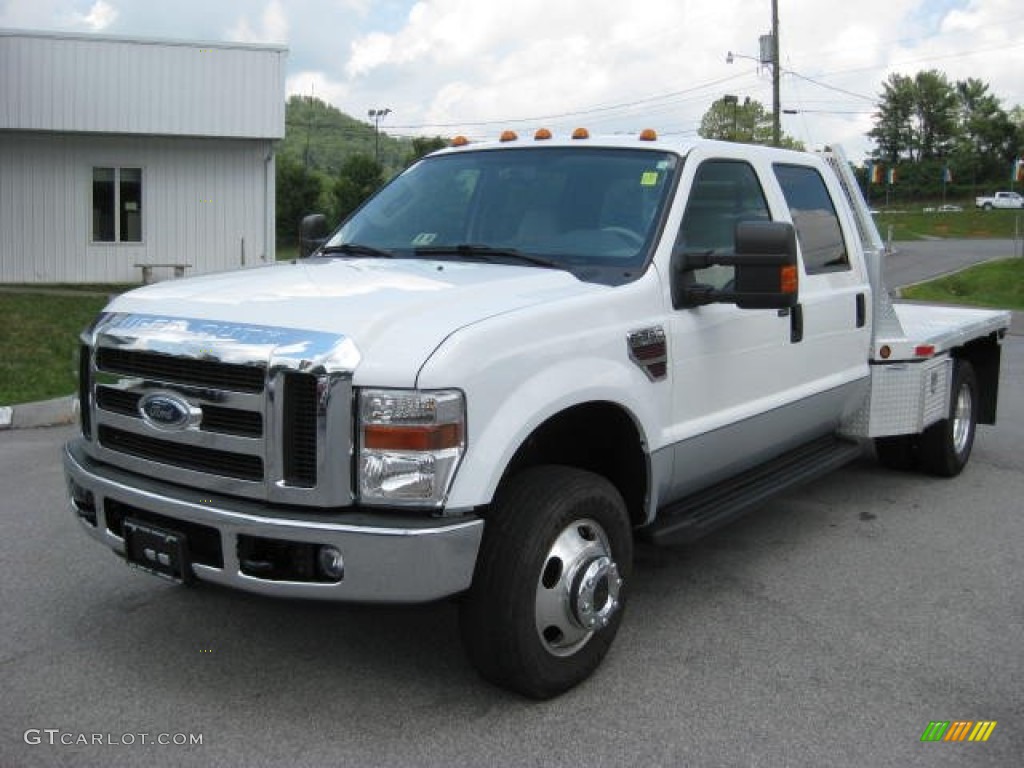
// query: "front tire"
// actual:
[[946, 445], [550, 581]]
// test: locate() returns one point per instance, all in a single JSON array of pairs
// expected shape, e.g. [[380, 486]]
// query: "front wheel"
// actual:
[[946, 445], [550, 581]]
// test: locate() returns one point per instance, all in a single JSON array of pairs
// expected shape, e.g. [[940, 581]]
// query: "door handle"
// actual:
[[862, 311]]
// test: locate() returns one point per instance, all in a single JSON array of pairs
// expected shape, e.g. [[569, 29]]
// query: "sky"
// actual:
[[476, 67]]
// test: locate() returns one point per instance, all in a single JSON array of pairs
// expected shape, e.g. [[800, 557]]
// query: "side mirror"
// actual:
[[312, 233], [766, 269]]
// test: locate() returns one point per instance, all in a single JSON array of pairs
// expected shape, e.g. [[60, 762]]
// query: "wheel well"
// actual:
[[600, 437], [984, 355]]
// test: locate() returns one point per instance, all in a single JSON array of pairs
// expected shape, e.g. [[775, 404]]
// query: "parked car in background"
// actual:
[[1000, 200]]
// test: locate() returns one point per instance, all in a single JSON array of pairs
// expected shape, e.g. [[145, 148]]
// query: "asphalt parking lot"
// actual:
[[827, 629]]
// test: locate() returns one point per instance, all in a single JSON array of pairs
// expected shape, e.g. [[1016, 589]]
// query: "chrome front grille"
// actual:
[[200, 373], [269, 410]]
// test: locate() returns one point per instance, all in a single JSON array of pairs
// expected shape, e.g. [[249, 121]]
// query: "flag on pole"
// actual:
[[892, 176], [876, 173], [947, 175]]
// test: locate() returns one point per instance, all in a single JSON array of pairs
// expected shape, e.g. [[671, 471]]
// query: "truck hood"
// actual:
[[395, 311]]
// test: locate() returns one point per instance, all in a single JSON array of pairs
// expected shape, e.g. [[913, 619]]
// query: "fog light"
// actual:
[[332, 565]]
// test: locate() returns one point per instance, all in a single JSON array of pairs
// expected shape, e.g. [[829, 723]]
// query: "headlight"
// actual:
[[410, 444]]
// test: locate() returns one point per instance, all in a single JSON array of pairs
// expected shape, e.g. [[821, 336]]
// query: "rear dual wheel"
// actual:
[[550, 581]]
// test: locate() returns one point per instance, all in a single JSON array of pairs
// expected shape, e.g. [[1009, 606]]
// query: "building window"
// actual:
[[117, 205]]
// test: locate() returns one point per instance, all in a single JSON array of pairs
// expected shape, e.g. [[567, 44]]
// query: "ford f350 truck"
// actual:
[[511, 361]]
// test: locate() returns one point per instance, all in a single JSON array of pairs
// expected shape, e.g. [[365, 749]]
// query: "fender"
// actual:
[[521, 368]]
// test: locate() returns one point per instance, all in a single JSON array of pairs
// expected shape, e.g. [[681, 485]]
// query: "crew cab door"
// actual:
[[835, 292], [748, 383]]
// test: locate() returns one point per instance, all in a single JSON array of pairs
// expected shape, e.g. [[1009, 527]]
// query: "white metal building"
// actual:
[[119, 152]]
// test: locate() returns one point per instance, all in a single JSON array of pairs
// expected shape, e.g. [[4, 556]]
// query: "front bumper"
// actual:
[[388, 558]]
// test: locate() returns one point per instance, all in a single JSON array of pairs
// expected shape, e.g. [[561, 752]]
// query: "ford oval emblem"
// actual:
[[167, 411]]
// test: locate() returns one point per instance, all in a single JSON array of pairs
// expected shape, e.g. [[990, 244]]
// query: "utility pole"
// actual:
[[776, 124], [731, 98]]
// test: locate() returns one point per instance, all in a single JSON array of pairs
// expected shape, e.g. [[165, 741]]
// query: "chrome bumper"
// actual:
[[388, 558]]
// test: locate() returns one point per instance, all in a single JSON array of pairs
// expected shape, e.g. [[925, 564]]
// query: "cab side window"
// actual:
[[724, 193], [814, 217]]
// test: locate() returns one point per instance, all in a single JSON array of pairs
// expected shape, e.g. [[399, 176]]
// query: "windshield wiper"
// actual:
[[487, 253], [356, 249]]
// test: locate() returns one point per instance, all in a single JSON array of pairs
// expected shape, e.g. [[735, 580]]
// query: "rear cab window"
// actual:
[[814, 217]]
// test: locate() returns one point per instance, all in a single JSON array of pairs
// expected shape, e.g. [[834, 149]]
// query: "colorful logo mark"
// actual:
[[958, 730]]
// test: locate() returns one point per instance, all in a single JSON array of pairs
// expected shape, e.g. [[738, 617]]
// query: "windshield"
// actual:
[[594, 211]]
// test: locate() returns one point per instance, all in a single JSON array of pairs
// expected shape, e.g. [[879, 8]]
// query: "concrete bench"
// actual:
[[147, 270]]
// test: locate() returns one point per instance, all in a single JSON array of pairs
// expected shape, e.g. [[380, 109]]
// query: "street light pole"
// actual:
[[377, 115]]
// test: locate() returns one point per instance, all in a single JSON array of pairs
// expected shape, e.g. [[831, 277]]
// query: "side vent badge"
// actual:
[[647, 348]]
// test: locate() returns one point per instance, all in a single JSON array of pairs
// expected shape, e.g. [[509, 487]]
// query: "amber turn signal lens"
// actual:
[[380, 437], [789, 281]]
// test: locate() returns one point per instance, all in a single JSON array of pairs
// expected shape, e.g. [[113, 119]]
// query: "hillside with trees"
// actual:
[[330, 162]]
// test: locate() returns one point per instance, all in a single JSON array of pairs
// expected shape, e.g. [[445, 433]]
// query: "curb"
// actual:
[[46, 413]]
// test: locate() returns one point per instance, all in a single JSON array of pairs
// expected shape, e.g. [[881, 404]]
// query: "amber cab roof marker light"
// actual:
[[581, 133], [508, 136]]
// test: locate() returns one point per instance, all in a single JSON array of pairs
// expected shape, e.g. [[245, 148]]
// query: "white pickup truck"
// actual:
[[999, 200], [514, 359]]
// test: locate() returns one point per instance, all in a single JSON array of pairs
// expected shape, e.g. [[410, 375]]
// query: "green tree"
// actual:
[[360, 177], [422, 146], [893, 133], [935, 115], [916, 119], [746, 122], [298, 193], [986, 141]]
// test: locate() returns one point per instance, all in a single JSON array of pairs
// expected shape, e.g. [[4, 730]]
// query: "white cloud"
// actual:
[[100, 16], [458, 63], [368, 53], [273, 26]]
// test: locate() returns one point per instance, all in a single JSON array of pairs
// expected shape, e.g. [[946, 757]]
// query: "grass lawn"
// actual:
[[997, 284], [914, 224], [39, 339]]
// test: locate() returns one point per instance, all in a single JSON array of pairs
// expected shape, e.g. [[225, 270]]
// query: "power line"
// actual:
[[576, 113]]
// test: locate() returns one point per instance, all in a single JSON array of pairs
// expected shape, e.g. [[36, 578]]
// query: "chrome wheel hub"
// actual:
[[962, 420], [578, 588]]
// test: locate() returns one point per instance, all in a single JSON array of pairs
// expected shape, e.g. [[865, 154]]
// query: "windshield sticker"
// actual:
[[649, 179], [424, 238]]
